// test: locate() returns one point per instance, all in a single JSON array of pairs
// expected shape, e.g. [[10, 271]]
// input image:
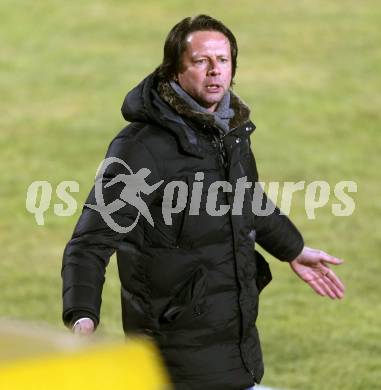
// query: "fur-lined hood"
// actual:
[[154, 101], [241, 110]]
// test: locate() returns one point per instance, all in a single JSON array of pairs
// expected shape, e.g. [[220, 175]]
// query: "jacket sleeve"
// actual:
[[275, 232], [93, 242]]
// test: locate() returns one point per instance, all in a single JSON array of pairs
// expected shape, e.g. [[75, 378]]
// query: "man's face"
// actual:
[[206, 67]]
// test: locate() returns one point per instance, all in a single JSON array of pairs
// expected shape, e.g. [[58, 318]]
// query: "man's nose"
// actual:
[[213, 69]]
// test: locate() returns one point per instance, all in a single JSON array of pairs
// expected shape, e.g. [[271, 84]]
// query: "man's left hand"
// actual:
[[312, 266]]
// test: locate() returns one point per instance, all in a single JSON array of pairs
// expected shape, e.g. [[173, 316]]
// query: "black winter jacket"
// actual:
[[192, 285]]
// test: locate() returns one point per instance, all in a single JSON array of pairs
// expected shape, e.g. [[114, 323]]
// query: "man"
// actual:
[[190, 281]]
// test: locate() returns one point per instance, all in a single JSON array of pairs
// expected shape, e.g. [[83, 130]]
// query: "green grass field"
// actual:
[[311, 73]]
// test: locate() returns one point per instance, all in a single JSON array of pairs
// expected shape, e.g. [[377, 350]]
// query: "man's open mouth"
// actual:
[[213, 87]]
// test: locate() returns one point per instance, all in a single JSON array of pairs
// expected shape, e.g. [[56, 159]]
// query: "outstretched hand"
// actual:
[[312, 266]]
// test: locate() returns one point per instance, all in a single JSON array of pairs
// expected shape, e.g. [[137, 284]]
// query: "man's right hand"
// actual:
[[83, 326]]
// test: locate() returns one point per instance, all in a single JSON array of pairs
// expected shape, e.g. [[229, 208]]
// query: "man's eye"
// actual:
[[200, 61], [223, 60]]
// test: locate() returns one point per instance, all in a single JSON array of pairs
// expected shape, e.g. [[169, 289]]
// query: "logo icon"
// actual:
[[134, 185]]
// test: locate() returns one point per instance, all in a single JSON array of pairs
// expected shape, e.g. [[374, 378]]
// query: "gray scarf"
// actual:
[[222, 115]]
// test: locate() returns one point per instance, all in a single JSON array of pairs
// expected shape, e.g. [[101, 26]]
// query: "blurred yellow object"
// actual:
[[134, 365]]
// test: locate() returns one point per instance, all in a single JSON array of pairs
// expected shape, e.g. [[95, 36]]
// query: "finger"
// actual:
[[333, 291], [335, 280], [332, 283], [316, 287], [337, 291], [330, 259], [324, 286]]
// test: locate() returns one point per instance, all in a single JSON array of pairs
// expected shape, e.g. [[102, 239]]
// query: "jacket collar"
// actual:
[[203, 119]]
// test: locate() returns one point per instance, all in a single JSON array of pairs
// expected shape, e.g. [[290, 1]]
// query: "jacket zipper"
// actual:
[[218, 140]]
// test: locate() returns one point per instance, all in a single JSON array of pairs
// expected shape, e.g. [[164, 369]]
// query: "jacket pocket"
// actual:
[[189, 302]]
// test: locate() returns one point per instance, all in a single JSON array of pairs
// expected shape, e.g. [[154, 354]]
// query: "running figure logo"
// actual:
[[135, 184]]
